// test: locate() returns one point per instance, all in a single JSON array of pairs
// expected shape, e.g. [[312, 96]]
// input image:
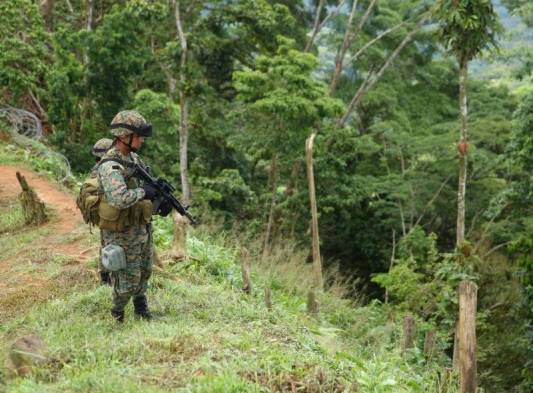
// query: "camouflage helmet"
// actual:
[[130, 122], [101, 147]]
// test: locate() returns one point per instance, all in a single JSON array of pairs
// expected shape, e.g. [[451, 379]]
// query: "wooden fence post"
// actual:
[[409, 331], [268, 298], [246, 267], [467, 337], [317, 262], [312, 302], [32, 206], [455, 359], [178, 250], [429, 344]]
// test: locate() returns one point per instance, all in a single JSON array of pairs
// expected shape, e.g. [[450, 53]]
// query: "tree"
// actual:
[[467, 27], [25, 59], [282, 104], [184, 105], [523, 53], [160, 110]]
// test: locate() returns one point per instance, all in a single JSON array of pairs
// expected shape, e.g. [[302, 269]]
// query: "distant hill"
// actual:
[[500, 68]]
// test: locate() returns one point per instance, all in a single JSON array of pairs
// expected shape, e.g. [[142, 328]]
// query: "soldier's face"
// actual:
[[137, 142]]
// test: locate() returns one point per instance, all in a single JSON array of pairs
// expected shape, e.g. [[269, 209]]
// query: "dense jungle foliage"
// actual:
[[378, 81]]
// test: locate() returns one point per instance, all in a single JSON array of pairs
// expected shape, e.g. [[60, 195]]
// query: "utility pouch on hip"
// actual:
[[113, 257], [113, 219], [110, 217], [146, 207]]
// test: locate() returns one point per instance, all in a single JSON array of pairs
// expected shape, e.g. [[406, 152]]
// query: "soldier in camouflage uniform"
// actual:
[[99, 149], [127, 195]]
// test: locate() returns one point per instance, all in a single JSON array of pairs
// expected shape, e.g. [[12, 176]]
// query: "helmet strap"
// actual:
[[128, 144]]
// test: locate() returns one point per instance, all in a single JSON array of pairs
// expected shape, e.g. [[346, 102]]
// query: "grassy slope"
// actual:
[[211, 337]]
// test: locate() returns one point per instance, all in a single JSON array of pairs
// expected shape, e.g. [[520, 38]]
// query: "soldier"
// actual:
[[125, 213], [99, 149]]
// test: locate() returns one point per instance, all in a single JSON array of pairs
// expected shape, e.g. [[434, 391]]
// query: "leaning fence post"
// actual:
[[467, 337], [409, 331], [246, 267], [32, 206]]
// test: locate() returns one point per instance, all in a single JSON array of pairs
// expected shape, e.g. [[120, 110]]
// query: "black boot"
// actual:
[[105, 278], [141, 308], [118, 315]]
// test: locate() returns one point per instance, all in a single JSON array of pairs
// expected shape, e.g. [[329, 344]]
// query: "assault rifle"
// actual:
[[164, 190]]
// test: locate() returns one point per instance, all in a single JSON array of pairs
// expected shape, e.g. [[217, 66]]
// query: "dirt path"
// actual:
[[25, 277], [64, 204]]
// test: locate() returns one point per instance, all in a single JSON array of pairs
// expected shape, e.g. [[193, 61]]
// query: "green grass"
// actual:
[[210, 337], [11, 217], [14, 234]]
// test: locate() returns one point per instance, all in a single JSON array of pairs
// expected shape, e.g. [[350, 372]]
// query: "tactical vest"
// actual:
[[96, 211]]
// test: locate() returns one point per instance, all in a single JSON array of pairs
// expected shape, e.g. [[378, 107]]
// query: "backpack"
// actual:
[[88, 201], [89, 196]]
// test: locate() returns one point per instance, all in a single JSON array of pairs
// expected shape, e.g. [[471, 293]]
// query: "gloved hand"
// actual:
[[164, 209], [149, 191]]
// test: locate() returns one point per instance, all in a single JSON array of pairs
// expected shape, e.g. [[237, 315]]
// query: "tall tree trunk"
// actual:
[[184, 107], [339, 59], [184, 142], [315, 26], [317, 262], [90, 14], [463, 150], [272, 182], [347, 41], [319, 25], [47, 9], [69, 6]]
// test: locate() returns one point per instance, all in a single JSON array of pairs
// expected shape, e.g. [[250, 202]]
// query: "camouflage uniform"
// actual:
[[121, 191]]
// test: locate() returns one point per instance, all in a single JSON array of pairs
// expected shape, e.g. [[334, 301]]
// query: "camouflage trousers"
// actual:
[[133, 280]]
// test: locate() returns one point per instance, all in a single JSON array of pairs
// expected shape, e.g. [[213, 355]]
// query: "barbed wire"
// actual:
[[27, 131], [23, 122]]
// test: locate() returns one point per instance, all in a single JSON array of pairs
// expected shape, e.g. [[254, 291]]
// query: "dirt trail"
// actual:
[[64, 204], [67, 216], [23, 273]]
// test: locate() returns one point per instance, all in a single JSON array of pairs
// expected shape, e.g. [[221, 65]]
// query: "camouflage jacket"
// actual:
[[120, 189]]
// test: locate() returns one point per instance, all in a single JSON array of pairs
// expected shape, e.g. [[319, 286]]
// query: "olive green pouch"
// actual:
[[109, 217], [146, 210]]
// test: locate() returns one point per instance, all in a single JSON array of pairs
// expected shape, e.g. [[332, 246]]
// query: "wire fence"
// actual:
[[27, 131]]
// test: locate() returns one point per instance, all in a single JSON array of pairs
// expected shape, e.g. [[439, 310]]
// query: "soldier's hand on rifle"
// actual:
[[149, 191], [164, 209]]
